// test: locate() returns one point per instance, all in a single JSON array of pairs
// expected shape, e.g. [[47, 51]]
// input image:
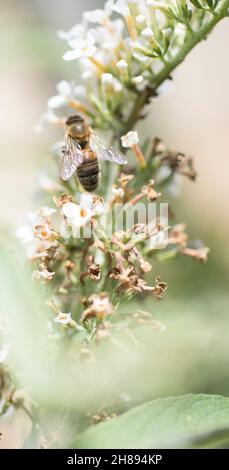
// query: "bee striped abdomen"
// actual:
[[88, 174]]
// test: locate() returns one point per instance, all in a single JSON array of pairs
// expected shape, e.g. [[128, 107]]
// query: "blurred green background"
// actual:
[[192, 116]]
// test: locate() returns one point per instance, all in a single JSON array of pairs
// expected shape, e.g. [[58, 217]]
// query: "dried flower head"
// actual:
[[99, 307]]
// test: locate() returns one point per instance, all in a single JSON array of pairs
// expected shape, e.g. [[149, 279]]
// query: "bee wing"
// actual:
[[72, 158], [106, 153]]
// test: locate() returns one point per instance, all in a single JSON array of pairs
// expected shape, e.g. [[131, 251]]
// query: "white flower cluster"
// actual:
[[76, 216], [117, 55], [47, 225]]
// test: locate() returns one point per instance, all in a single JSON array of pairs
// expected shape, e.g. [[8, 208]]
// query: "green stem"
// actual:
[[136, 110]]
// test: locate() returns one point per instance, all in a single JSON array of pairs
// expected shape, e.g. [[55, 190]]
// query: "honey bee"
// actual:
[[82, 152]]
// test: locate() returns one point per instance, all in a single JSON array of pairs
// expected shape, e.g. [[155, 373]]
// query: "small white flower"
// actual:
[[140, 19], [74, 211], [139, 56], [121, 7], [138, 80], [65, 94], [130, 139], [25, 234], [100, 16], [63, 318], [147, 33], [87, 74], [76, 32], [107, 79], [111, 83], [122, 65], [140, 83], [44, 233], [95, 16], [82, 47], [49, 117], [78, 215], [110, 39], [117, 86]]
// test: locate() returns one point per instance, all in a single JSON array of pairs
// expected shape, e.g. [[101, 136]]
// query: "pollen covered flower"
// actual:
[[44, 233], [77, 215]]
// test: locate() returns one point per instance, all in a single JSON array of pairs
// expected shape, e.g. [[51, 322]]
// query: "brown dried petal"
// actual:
[[125, 179], [149, 191], [177, 235], [158, 146], [144, 265], [185, 166], [99, 307], [61, 200], [160, 288], [69, 266], [200, 254], [94, 272]]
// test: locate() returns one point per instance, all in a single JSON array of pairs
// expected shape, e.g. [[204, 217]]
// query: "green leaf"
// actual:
[[162, 423], [197, 4]]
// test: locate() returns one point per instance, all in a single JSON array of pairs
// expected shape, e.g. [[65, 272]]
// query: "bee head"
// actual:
[[77, 126]]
